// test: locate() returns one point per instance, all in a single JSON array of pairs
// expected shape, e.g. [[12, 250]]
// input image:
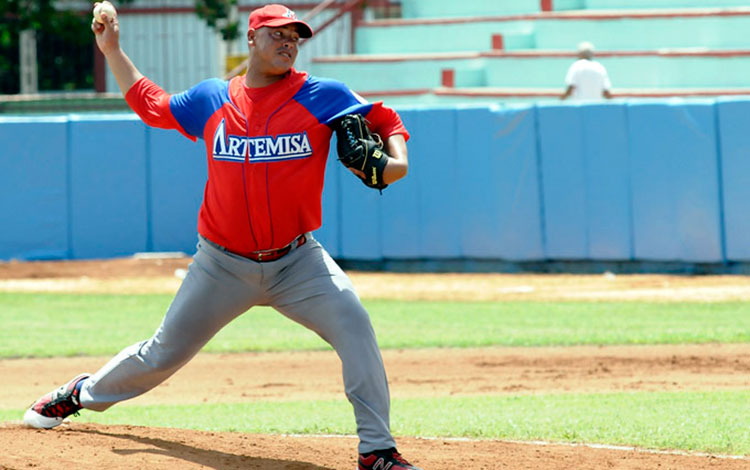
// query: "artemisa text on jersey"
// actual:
[[261, 148]]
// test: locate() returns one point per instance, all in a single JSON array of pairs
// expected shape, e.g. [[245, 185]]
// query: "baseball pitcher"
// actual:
[[267, 137]]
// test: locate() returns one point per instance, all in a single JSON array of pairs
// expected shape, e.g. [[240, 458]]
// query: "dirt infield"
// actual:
[[132, 275], [413, 373]]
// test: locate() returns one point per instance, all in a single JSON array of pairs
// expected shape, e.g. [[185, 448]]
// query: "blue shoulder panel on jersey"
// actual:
[[192, 108], [328, 99]]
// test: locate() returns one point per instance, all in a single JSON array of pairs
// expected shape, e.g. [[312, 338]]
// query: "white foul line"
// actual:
[[680, 453]]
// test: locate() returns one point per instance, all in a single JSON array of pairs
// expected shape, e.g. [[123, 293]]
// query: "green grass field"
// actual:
[[698, 421], [103, 324]]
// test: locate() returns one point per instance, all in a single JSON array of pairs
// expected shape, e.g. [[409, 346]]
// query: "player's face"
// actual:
[[275, 48]]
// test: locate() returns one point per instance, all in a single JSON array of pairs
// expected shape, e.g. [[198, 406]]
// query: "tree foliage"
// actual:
[[216, 15], [65, 44]]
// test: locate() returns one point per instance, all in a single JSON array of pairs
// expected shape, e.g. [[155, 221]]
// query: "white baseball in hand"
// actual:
[[104, 7]]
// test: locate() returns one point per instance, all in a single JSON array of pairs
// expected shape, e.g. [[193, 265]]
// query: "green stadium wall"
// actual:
[[669, 70], [557, 33]]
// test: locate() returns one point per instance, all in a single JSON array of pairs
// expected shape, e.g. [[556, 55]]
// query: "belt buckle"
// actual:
[[261, 255], [275, 254]]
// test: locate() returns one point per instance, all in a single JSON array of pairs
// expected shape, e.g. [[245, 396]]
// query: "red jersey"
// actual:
[[266, 148]]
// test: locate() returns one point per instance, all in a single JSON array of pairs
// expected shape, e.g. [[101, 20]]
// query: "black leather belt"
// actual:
[[266, 256]]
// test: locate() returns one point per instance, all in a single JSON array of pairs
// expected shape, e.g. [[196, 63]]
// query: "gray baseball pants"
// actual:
[[306, 285]]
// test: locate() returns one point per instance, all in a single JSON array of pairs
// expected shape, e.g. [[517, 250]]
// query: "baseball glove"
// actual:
[[360, 149]]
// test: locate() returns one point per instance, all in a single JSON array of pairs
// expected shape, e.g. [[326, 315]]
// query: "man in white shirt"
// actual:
[[587, 79]]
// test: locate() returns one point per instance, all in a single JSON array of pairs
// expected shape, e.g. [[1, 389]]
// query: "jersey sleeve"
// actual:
[[385, 121], [330, 99], [186, 112], [151, 103]]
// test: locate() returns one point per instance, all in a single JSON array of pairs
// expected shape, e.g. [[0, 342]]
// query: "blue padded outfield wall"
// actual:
[[652, 181]]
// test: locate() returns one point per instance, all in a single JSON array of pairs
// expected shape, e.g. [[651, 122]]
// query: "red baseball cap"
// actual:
[[276, 15]]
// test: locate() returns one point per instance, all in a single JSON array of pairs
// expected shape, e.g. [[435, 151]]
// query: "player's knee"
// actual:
[[355, 322], [341, 320], [159, 358]]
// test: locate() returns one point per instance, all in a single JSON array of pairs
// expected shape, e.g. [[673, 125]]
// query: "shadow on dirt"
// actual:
[[205, 457]]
